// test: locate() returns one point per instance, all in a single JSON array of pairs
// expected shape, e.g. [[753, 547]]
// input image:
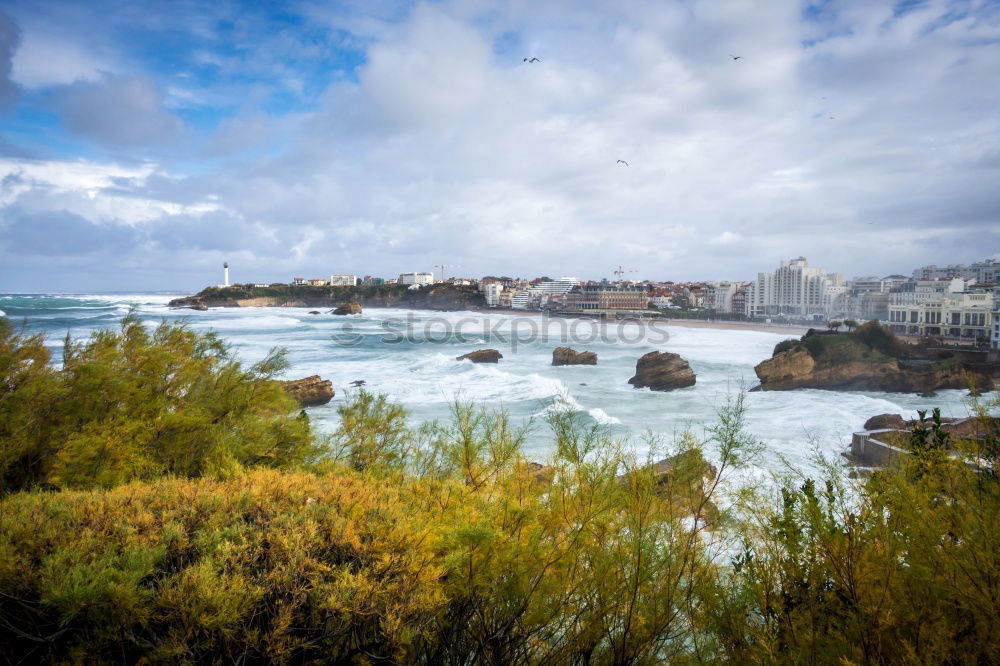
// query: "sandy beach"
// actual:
[[791, 330]]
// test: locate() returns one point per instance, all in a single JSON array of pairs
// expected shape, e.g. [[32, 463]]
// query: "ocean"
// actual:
[[410, 356]]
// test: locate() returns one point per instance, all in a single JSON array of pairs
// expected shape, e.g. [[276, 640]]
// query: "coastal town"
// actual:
[[955, 303]]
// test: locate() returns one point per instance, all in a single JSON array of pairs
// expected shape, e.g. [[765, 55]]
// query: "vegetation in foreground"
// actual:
[[227, 531]]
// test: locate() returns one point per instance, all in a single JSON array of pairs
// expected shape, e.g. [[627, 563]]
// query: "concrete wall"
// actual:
[[868, 451]]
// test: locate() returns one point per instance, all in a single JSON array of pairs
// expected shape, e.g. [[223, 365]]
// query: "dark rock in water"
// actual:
[[928, 394], [199, 306], [349, 308], [314, 312], [310, 391], [481, 356], [567, 356], [662, 371], [885, 421]]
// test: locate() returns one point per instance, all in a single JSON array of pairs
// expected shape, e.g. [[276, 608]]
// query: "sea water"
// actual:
[[410, 356]]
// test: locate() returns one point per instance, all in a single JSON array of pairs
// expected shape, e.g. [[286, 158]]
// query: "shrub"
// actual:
[[478, 561], [785, 345], [899, 568], [882, 338], [140, 404]]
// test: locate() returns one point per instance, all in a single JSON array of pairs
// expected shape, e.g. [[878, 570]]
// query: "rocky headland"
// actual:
[[662, 371], [568, 356], [444, 297], [868, 359]]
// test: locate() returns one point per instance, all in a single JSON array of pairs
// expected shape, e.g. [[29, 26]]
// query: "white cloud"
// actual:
[[95, 192], [47, 60], [726, 238], [449, 148]]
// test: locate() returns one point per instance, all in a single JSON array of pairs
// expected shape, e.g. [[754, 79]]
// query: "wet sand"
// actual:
[[791, 331]]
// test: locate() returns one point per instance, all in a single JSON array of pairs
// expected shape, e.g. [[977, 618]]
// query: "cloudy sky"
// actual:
[[144, 143]]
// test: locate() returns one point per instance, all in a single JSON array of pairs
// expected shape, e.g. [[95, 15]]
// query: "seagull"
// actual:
[[622, 162], [358, 382], [531, 60], [734, 57]]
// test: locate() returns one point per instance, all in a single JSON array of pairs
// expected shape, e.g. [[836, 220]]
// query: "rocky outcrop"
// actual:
[[688, 463], [885, 422], [481, 356], [848, 369], [349, 308], [446, 297], [684, 479], [567, 356], [542, 474], [310, 391], [662, 371]]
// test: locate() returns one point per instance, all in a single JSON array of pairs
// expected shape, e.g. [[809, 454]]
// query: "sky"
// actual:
[[142, 144]]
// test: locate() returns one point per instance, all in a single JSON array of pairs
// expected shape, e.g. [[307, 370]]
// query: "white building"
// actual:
[[539, 294], [491, 292], [915, 292], [795, 290], [995, 342], [343, 280], [964, 316], [877, 285], [980, 272], [416, 278], [719, 296], [661, 302]]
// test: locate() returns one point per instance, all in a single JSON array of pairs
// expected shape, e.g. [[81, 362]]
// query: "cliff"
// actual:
[[872, 359], [435, 297]]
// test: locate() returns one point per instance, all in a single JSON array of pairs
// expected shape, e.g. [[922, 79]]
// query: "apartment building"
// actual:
[[344, 280], [795, 289], [416, 278], [491, 292], [979, 272], [541, 294]]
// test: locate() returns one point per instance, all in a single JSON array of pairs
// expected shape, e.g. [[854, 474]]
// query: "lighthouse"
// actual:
[[225, 274]]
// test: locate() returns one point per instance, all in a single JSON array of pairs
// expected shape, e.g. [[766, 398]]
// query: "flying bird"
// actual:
[[622, 162], [531, 60], [734, 57], [358, 382]]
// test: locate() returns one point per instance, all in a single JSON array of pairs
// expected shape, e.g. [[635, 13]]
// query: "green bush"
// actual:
[[785, 345], [136, 403], [881, 338], [443, 544], [477, 560]]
